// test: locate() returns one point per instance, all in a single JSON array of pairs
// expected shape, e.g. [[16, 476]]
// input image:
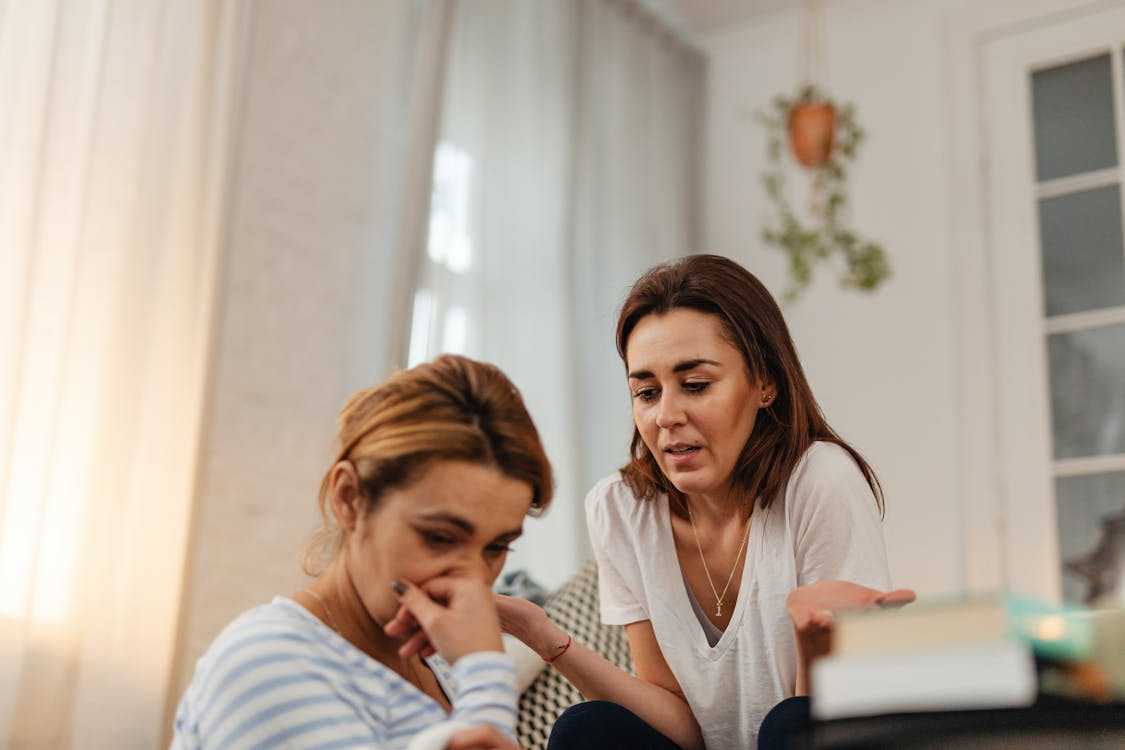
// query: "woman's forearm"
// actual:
[[663, 710], [599, 679]]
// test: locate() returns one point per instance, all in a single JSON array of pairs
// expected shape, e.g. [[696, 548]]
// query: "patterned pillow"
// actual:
[[574, 608]]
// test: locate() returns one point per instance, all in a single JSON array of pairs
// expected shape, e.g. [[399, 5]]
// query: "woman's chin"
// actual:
[[690, 483]]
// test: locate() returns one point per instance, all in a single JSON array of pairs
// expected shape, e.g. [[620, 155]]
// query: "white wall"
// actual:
[[304, 316], [883, 366]]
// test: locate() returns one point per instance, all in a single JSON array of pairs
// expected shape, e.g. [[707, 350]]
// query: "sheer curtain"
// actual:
[[112, 146], [569, 162], [332, 157]]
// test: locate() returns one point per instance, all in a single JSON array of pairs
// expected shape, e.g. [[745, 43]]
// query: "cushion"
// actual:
[[574, 608]]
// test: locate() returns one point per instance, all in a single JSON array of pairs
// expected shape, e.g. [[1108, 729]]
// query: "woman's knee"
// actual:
[[781, 720], [595, 724]]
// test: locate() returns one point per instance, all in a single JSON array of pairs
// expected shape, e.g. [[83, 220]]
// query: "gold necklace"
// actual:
[[327, 612], [415, 678], [698, 546]]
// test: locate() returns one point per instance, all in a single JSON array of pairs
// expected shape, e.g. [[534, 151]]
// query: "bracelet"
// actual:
[[564, 650]]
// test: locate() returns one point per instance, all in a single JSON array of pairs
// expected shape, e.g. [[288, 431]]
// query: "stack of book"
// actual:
[[972, 653]]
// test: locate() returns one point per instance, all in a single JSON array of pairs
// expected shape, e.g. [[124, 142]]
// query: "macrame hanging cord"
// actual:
[[812, 65]]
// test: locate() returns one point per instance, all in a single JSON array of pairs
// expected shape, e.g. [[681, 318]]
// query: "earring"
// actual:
[[766, 398]]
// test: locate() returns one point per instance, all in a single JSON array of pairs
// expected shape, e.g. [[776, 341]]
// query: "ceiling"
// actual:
[[698, 17]]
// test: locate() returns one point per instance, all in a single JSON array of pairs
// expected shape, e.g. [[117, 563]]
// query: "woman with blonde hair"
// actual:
[[396, 641]]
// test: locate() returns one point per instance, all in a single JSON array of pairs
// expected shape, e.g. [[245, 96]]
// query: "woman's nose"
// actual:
[[669, 412], [473, 567]]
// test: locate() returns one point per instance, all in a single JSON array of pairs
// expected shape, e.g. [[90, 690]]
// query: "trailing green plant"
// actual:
[[865, 263]]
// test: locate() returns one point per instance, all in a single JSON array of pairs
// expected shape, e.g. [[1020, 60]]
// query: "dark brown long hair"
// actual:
[[451, 409], [753, 323]]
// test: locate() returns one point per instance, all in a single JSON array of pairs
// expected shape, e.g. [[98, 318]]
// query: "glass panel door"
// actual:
[[1082, 255], [1054, 103]]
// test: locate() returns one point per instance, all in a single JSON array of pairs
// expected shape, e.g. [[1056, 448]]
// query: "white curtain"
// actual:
[[112, 149], [332, 160], [569, 163]]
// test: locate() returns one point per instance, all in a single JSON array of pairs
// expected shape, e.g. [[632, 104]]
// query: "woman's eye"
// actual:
[[437, 539], [498, 549], [645, 394], [696, 387]]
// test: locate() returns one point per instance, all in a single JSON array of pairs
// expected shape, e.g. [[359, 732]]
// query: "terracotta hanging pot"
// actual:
[[811, 126]]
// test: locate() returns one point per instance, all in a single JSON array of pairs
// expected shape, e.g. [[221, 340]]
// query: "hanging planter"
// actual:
[[823, 137], [812, 125]]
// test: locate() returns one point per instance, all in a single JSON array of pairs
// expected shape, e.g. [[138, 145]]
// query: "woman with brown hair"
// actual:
[[437, 468], [741, 518]]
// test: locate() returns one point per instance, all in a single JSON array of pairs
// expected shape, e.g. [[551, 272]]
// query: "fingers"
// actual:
[[896, 598], [815, 605], [480, 737], [416, 644], [402, 624], [452, 616], [821, 618], [417, 604]]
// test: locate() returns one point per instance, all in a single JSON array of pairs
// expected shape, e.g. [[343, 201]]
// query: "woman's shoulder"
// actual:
[[824, 460], [610, 486], [279, 617], [613, 490], [611, 501], [828, 474], [278, 631]]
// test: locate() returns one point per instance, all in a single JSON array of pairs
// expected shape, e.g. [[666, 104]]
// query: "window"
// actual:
[[441, 304], [1046, 484], [1077, 155]]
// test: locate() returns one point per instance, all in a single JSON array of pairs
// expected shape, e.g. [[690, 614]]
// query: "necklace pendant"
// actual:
[[718, 609]]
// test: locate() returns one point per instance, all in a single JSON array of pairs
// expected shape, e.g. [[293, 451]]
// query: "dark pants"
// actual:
[[598, 724], [601, 724], [786, 716]]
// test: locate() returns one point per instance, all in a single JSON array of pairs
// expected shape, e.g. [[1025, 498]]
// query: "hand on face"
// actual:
[[453, 616]]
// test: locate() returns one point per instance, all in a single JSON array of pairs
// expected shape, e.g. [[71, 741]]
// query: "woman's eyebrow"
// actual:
[[691, 364], [687, 364], [454, 520], [466, 526]]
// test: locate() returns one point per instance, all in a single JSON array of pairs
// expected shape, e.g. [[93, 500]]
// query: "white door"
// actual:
[[1054, 144]]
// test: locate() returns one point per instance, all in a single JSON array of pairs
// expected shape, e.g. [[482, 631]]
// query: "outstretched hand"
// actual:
[[813, 608]]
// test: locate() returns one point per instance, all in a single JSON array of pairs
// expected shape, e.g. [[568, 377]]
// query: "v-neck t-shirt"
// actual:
[[824, 526]]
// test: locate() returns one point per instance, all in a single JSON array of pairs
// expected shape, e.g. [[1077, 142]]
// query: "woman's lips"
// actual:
[[681, 454]]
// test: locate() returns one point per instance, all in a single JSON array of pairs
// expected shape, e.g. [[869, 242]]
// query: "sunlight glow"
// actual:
[[449, 240], [420, 327], [456, 326]]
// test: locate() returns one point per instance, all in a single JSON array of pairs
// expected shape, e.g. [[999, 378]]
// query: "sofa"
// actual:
[[574, 607]]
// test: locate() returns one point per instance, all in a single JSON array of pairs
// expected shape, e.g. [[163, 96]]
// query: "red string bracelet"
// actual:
[[564, 649]]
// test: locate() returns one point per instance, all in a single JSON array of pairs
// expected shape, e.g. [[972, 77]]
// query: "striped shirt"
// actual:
[[277, 677]]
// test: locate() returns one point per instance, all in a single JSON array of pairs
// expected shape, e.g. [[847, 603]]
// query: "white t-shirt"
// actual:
[[826, 527]]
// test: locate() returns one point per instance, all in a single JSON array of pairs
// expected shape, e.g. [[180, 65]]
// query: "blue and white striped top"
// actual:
[[277, 677]]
